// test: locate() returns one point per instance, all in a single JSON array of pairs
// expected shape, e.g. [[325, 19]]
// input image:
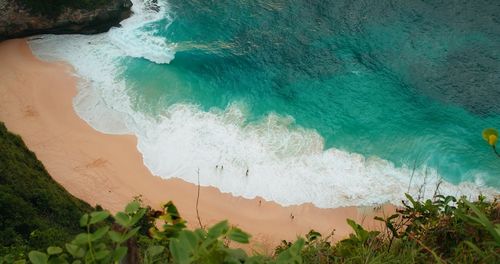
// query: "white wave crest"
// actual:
[[136, 41]]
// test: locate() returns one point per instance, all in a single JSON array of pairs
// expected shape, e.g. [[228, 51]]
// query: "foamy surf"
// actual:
[[271, 158], [135, 41]]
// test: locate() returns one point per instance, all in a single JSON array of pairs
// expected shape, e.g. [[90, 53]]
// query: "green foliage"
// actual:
[[439, 230], [109, 241], [360, 236], [176, 243], [442, 230], [449, 230], [36, 212], [102, 242]]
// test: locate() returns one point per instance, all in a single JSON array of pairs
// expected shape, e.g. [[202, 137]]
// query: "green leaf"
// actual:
[[81, 239], [119, 253], [37, 257], [122, 219], [412, 201], [292, 254], [84, 220], [115, 236], [189, 238], [54, 250], [475, 248], [77, 262], [99, 233], [296, 247], [284, 257], [155, 250], [484, 221], [218, 229], [9, 258], [102, 254], [172, 210], [137, 216], [236, 255], [120, 238], [75, 250], [130, 234], [449, 199], [393, 217], [238, 235], [60, 259], [132, 207], [200, 234], [179, 252], [97, 217], [99, 246], [358, 230]]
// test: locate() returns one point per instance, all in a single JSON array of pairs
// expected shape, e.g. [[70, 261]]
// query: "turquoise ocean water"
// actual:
[[331, 102]]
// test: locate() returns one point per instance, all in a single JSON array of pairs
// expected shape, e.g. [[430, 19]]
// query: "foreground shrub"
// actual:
[[442, 230]]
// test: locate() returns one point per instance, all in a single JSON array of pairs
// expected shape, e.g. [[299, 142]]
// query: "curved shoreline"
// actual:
[[36, 103]]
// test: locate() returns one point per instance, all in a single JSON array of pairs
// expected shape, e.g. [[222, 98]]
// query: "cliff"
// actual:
[[21, 18]]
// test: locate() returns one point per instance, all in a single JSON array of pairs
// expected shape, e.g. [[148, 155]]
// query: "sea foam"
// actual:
[[272, 158]]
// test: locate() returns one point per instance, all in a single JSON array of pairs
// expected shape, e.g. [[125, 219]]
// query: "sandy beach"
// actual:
[[36, 103]]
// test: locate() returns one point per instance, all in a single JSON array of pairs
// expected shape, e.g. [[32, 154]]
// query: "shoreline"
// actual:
[[36, 103]]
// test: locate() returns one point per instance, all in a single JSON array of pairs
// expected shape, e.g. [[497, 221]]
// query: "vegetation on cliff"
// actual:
[[39, 217], [36, 212]]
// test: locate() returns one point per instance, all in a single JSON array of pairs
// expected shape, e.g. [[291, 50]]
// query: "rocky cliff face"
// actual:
[[19, 19]]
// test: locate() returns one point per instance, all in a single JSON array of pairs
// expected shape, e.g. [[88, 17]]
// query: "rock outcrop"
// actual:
[[19, 19]]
